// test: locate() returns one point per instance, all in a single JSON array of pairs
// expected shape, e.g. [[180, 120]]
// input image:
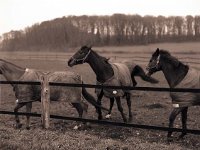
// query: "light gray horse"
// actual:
[[26, 94]]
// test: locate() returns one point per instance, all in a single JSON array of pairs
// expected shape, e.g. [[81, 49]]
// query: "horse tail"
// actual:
[[91, 99], [138, 71]]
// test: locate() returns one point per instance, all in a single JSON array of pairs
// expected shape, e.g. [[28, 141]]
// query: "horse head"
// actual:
[[154, 63], [161, 59], [80, 56]]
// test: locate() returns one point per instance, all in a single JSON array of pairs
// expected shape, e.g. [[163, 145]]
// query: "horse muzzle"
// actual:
[[148, 72], [71, 62]]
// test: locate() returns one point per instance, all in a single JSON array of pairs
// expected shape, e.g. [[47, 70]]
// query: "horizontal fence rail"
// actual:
[[197, 132], [159, 89], [21, 82]]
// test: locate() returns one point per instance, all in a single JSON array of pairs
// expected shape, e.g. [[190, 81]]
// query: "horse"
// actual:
[[26, 94], [113, 74], [178, 75]]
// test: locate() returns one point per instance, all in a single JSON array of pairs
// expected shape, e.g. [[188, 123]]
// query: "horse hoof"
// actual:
[[125, 121], [76, 127], [27, 128], [18, 126], [100, 118], [181, 137], [85, 126], [88, 125], [108, 116], [169, 139]]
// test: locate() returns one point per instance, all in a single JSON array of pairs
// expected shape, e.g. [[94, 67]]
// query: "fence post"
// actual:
[[45, 100]]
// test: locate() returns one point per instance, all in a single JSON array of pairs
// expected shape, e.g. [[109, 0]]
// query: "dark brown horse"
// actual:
[[178, 75], [26, 94], [114, 74]]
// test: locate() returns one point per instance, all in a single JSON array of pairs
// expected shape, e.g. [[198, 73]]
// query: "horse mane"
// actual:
[[167, 54], [164, 52], [169, 57], [85, 47], [105, 59], [10, 63], [101, 57]]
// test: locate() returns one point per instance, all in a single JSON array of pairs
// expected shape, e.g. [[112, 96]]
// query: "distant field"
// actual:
[[187, 52], [180, 48], [150, 108], [188, 47]]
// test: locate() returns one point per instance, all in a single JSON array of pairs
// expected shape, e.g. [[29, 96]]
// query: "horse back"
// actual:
[[28, 93], [63, 93], [64, 76], [121, 77]]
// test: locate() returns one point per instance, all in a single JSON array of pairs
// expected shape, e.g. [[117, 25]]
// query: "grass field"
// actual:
[[151, 108]]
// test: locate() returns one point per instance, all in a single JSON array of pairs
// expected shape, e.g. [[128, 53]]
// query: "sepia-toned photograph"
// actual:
[[99, 75]]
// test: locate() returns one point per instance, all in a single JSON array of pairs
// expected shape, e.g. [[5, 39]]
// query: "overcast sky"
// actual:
[[18, 14]]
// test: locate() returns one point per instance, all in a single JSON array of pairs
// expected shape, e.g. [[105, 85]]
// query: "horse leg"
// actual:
[[184, 121], [28, 110], [17, 107], [80, 112], [80, 108], [133, 80], [138, 71], [112, 100], [128, 99], [172, 117], [121, 109], [100, 96]]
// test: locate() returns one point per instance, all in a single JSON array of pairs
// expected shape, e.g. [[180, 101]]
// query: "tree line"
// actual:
[[118, 29]]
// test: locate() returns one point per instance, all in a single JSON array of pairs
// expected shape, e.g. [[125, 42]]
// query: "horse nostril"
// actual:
[[69, 62]]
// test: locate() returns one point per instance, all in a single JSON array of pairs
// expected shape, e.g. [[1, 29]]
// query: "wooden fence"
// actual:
[[45, 95]]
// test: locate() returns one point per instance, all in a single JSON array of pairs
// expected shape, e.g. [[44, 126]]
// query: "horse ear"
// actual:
[[158, 50], [90, 46], [156, 53]]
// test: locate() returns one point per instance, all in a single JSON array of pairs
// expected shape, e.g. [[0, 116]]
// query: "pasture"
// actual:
[[150, 108]]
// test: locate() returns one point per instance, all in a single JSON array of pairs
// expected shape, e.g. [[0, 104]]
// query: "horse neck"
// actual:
[[174, 75], [101, 68], [10, 71]]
